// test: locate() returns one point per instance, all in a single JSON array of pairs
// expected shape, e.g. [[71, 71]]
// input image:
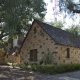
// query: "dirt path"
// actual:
[[7, 73]]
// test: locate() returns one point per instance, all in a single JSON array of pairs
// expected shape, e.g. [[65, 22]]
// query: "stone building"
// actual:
[[42, 38]]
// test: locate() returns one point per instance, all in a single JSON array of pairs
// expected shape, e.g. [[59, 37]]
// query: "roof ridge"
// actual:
[[50, 25]]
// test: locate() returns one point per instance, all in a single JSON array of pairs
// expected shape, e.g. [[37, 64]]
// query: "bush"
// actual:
[[26, 66], [52, 69], [23, 66], [3, 63], [34, 66], [67, 67], [49, 69], [46, 58]]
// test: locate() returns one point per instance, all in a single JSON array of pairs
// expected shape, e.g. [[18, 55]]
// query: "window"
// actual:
[[68, 53], [33, 55]]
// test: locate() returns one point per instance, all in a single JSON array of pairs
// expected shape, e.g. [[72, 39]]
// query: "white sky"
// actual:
[[50, 16]]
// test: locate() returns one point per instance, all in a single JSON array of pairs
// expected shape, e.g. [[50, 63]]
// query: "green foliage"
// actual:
[[48, 69], [52, 69], [3, 44], [68, 5], [23, 66], [16, 17], [27, 66], [3, 63], [67, 68], [46, 58], [18, 14], [58, 24], [74, 31]]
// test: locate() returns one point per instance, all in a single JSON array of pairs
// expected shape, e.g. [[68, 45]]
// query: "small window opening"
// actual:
[[68, 53]]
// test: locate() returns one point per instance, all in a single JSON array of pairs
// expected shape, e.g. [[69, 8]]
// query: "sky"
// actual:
[[50, 16]]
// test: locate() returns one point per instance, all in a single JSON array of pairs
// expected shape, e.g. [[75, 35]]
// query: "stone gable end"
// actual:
[[37, 39]]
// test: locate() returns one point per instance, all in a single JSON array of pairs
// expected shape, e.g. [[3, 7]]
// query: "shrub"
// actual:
[[3, 63], [52, 69], [46, 58], [67, 67], [27, 66], [23, 66], [34, 66], [49, 69]]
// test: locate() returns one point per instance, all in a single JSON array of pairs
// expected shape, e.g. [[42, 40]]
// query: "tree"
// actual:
[[57, 24], [74, 31], [16, 15], [69, 6]]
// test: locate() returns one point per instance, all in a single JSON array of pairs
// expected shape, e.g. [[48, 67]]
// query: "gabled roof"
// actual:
[[77, 42], [58, 35]]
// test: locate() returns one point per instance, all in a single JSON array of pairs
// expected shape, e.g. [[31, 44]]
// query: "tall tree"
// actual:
[[70, 6], [16, 15], [74, 31], [57, 24]]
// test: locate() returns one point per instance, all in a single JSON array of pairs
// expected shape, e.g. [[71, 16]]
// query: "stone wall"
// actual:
[[61, 56], [44, 43], [40, 41], [12, 58], [2, 53]]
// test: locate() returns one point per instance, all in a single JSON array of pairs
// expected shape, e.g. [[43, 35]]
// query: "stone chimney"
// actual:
[[15, 42]]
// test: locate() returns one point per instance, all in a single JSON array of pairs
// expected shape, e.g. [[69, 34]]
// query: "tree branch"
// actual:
[[76, 11]]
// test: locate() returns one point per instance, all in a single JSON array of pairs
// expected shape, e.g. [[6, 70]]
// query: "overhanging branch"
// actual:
[[76, 11]]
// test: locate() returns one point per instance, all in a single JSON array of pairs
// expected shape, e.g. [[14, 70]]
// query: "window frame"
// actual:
[[68, 53], [33, 55]]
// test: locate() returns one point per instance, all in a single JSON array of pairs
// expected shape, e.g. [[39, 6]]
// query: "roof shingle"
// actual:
[[59, 36]]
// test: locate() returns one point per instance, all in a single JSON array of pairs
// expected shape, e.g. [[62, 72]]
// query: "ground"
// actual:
[[8, 73]]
